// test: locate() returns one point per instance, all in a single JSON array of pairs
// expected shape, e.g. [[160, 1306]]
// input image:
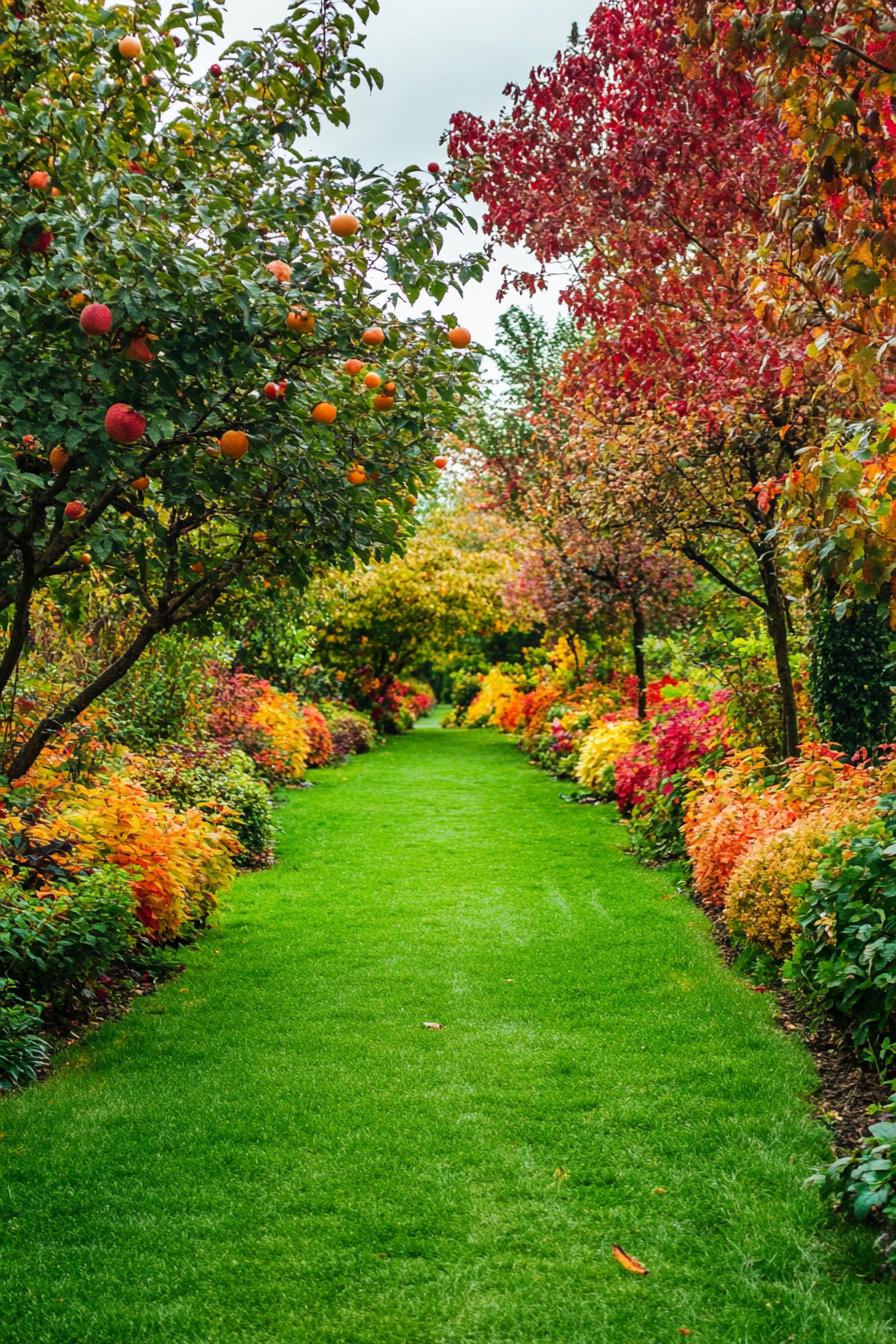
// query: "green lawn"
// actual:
[[273, 1150]]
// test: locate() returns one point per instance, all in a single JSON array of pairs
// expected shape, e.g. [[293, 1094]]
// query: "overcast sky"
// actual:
[[439, 56]]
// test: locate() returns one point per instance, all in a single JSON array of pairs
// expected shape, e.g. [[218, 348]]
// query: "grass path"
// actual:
[[273, 1150]]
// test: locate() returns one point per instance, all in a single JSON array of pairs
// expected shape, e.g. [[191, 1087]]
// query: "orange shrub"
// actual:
[[720, 827], [511, 712], [538, 709], [735, 808], [179, 861], [278, 717]]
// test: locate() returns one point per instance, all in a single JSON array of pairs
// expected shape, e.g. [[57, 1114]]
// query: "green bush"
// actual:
[[655, 826], [51, 945], [851, 673], [160, 697], [23, 1051], [191, 775], [844, 957], [864, 1183]]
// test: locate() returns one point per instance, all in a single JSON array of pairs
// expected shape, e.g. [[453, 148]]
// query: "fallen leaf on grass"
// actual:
[[760, 989], [561, 1174], [658, 1190], [629, 1262], [433, 1026]]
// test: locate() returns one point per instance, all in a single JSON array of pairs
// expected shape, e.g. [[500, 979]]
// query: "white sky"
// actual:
[[437, 57]]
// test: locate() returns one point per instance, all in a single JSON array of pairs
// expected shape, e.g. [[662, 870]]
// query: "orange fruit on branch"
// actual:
[[344, 225], [353, 367], [280, 270], [460, 337], [324, 413], [372, 380], [130, 47], [234, 443], [373, 336], [299, 319]]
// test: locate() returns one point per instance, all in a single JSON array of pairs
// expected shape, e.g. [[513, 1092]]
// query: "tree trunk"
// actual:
[[52, 723], [639, 630], [779, 633], [18, 633]]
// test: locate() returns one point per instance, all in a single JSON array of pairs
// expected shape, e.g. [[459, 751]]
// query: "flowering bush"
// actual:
[[320, 741], [746, 802], [511, 713], [419, 698], [726, 814], [396, 705], [602, 747], [540, 707], [679, 739], [556, 747], [652, 778], [636, 776]]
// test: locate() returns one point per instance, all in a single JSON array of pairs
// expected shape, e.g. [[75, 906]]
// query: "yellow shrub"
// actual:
[[760, 902], [278, 715], [496, 692], [602, 747]]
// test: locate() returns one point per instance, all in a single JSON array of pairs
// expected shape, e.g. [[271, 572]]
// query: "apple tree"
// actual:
[[191, 303]]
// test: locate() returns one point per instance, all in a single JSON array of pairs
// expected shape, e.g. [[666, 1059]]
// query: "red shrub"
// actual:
[[320, 739]]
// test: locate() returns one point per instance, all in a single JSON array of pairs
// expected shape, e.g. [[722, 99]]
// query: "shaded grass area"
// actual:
[[273, 1150]]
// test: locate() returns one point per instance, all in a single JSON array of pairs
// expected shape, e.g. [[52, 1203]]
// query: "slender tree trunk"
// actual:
[[779, 634], [66, 714], [18, 632], [639, 630]]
